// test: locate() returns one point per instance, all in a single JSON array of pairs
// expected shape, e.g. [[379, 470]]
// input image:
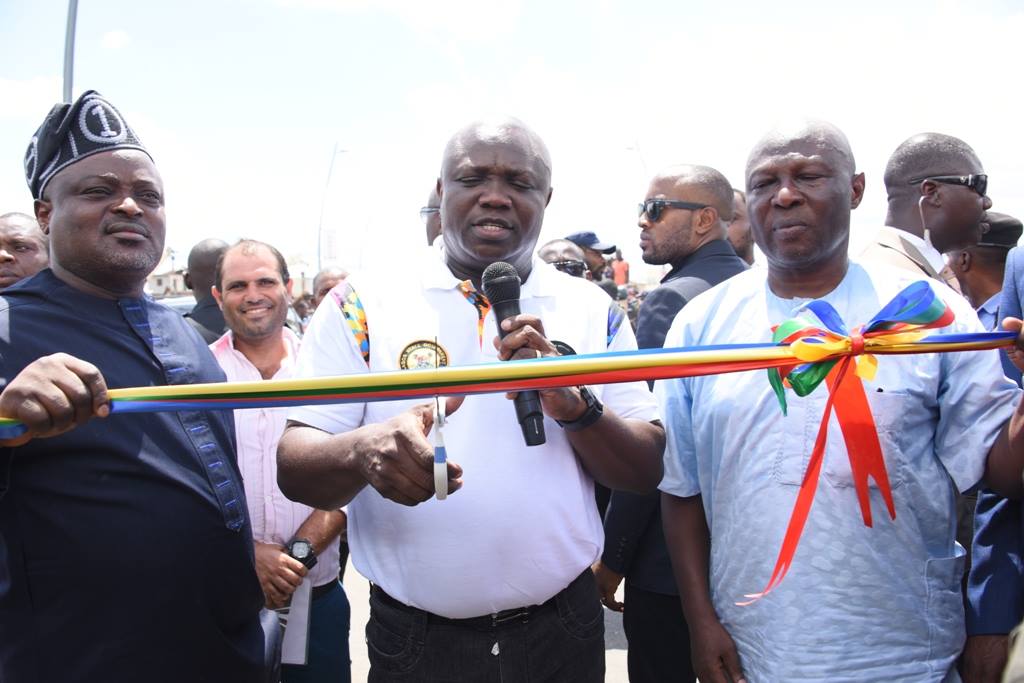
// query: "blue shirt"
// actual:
[[988, 312], [859, 603], [125, 548]]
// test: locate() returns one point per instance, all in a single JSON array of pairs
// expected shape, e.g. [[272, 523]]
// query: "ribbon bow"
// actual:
[[827, 350]]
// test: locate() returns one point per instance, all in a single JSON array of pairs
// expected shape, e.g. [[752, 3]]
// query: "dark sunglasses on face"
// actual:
[[427, 211], [571, 267], [654, 207], [977, 182]]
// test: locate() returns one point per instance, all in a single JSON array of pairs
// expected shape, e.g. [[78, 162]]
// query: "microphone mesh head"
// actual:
[[500, 282]]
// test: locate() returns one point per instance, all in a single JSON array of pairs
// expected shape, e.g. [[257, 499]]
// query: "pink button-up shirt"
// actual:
[[275, 519]]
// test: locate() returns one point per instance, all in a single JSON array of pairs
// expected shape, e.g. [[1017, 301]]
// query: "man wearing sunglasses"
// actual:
[[683, 223], [937, 196], [565, 256]]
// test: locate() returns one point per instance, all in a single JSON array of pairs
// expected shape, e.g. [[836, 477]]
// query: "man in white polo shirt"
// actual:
[[294, 544], [495, 580]]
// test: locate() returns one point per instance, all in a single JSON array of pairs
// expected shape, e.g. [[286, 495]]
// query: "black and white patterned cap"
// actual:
[[72, 132]]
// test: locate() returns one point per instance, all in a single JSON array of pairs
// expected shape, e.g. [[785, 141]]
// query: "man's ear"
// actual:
[[707, 218], [188, 280], [857, 187], [930, 192], [43, 209], [216, 295], [288, 286]]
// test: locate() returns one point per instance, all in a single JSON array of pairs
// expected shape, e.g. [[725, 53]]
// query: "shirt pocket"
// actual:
[[800, 430], [889, 410]]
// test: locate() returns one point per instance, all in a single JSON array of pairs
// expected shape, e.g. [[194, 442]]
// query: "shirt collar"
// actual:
[[291, 346], [435, 274], [930, 253], [992, 305]]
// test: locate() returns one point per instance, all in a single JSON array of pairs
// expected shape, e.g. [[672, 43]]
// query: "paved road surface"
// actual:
[[358, 591]]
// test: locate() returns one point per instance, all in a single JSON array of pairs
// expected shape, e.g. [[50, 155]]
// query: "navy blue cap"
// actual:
[[72, 132], [589, 240]]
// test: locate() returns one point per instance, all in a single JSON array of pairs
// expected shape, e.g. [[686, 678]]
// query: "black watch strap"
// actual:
[[591, 415]]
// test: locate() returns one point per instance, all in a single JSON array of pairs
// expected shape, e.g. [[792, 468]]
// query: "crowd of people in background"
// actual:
[[209, 545]]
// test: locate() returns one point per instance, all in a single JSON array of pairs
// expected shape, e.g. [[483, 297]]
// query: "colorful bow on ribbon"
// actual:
[[828, 350]]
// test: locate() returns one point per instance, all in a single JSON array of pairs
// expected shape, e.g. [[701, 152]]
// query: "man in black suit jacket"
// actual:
[[683, 222]]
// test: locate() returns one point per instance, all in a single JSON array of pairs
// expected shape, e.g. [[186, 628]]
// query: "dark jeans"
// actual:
[[328, 658], [659, 642], [562, 640]]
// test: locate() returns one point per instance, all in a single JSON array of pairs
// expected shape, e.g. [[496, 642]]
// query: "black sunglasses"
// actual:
[[571, 267], [977, 182], [427, 211], [654, 207]]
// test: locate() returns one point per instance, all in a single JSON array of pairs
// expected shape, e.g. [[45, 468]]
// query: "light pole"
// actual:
[[323, 202], [69, 49]]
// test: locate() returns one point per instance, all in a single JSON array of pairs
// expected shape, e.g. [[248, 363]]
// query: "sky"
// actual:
[[243, 102]]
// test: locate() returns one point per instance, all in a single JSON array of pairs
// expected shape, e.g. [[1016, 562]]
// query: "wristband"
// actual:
[[591, 415]]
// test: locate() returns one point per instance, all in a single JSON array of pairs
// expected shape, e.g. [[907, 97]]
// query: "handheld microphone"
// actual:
[[500, 283]]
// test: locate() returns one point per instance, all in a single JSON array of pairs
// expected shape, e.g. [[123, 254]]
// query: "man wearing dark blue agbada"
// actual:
[[125, 548]]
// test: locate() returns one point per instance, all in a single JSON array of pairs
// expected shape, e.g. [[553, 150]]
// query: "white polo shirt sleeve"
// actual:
[[627, 399], [330, 348], [676, 404]]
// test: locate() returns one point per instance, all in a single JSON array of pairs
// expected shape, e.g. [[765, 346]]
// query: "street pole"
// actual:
[[69, 49], [323, 203]]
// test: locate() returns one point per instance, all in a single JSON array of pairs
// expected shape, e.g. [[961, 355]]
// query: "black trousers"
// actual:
[[561, 641], [659, 642]]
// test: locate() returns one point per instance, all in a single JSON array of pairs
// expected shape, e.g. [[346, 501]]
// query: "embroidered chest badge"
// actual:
[[422, 353]]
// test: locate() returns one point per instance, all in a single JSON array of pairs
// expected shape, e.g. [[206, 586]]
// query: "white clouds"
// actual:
[[114, 40]]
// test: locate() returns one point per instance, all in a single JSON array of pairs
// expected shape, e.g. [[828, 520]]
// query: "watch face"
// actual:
[[300, 550]]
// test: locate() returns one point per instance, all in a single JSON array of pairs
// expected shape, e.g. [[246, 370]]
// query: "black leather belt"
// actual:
[[320, 591], [506, 617]]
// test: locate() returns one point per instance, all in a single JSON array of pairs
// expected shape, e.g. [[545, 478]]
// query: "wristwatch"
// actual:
[[302, 550], [591, 415]]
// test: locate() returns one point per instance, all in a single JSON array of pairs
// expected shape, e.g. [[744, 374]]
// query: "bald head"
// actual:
[[704, 184], [812, 134], [509, 131], [202, 262], [495, 185], [924, 155], [560, 250], [325, 281], [802, 185]]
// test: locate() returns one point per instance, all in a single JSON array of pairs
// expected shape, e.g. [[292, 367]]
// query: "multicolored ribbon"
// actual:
[[828, 349], [541, 373], [805, 352]]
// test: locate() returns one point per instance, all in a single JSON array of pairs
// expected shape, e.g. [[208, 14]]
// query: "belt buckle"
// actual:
[[509, 615]]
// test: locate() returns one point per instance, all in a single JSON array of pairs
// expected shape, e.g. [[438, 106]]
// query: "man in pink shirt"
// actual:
[[293, 542]]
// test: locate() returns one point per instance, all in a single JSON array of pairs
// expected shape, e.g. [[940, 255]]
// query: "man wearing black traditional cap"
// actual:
[[995, 584], [594, 250], [125, 547]]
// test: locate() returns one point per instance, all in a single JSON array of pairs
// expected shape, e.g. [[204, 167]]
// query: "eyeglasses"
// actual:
[[977, 182], [571, 267], [427, 211], [654, 207]]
